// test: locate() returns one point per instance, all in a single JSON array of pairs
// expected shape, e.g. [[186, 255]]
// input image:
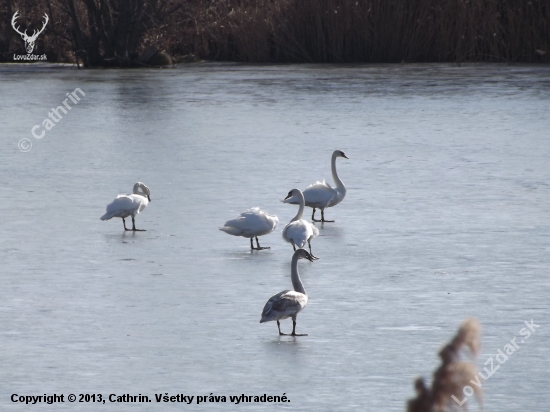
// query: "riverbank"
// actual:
[[289, 31]]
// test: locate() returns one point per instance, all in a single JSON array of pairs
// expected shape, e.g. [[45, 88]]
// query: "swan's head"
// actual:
[[144, 190], [339, 153], [292, 196], [303, 254]]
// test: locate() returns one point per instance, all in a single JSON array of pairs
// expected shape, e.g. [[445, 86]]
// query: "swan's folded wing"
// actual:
[[255, 222], [257, 213], [268, 313], [319, 194], [249, 223], [255, 219], [253, 211], [283, 305], [318, 183], [123, 203]]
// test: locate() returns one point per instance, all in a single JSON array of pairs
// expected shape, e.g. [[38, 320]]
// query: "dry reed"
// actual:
[[453, 375], [321, 31], [373, 30]]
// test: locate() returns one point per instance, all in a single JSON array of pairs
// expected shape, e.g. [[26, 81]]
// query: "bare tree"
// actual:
[[110, 32], [6, 34]]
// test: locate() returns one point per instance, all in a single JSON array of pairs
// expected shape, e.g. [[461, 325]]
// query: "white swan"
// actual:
[[129, 205], [321, 195], [288, 303], [299, 231], [252, 223]]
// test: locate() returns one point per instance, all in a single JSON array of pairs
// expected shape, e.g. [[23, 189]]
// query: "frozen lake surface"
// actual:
[[446, 216]]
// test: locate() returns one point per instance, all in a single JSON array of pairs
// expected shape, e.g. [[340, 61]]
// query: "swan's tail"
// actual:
[[267, 317], [108, 215], [231, 230]]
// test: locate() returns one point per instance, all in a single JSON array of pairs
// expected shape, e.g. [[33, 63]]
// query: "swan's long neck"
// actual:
[[339, 184], [138, 190], [302, 203], [295, 277]]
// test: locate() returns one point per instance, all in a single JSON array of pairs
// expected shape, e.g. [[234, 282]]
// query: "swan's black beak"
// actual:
[[148, 198], [288, 196], [344, 155]]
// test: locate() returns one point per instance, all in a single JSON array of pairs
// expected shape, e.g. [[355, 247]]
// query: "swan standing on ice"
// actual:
[[129, 205], [288, 303], [252, 223], [299, 231], [321, 195]]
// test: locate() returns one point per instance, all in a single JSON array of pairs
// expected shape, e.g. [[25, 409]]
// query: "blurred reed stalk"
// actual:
[[453, 375]]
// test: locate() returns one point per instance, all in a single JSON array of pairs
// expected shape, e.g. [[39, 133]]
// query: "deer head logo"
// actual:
[[29, 40]]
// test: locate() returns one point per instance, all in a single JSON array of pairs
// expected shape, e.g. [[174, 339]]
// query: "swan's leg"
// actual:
[[251, 244], [313, 216], [310, 252], [258, 244], [124, 223], [293, 245], [279, 326], [323, 217], [134, 226], [294, 328]]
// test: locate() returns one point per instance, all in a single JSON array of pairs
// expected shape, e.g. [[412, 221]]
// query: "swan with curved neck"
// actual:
[[288, 303], [129, 205], [299, 231], [321, 195], [251, 224]]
